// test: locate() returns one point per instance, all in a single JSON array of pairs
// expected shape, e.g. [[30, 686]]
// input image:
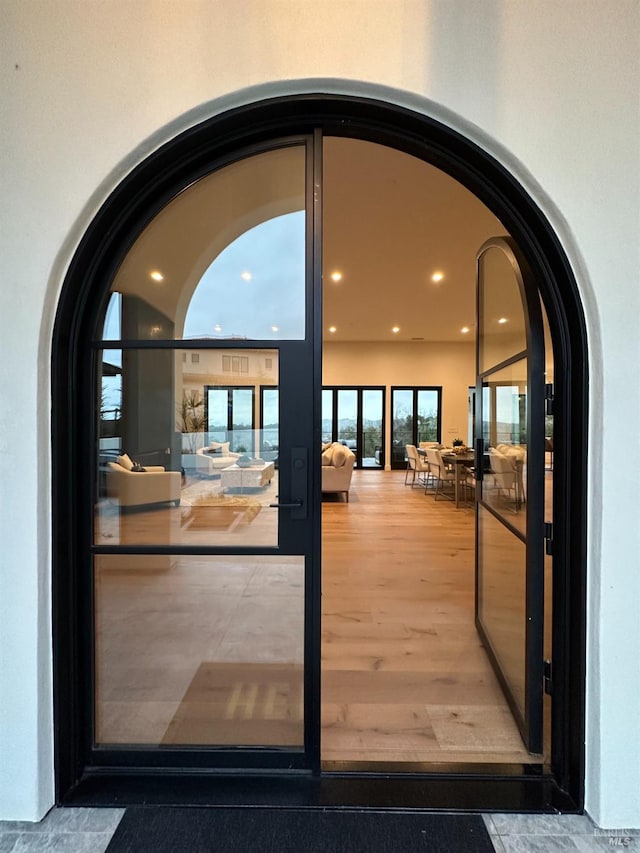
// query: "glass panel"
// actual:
[[206, 480], [504, 486], [402, 423], [112, 330], [242, 422], [427, 416], [348, 417], [270, 415], [502, 598], [327, 415], [217, 403], [502, 327], [372, 438], [199, 650], [225, 258]]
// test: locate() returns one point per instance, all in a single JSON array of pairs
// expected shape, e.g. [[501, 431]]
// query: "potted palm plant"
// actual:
[[191, 419]]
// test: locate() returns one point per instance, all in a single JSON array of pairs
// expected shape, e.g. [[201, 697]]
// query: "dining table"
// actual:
[[460, 461]]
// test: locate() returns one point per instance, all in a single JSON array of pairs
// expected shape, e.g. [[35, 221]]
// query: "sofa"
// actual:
[[132, 485], [337, 468], [214, 456]]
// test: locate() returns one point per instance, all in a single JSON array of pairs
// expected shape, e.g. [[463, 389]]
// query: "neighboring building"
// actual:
[[550, 90]]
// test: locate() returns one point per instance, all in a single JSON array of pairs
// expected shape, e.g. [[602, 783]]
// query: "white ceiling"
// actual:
[[390, 222]]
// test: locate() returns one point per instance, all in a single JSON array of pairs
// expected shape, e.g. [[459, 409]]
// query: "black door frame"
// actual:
[[530, 722], [334, 389], [399, 461], [134, 203]]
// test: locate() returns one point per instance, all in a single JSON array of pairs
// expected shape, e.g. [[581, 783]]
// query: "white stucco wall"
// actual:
[[89, 86]]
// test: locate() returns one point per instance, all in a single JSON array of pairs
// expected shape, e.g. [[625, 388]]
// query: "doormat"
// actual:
[[262, 830], [240, 704]]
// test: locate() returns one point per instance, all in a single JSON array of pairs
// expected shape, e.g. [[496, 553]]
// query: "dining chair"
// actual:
[[417, 465], [505, 474], [441, 473], [469, 484]]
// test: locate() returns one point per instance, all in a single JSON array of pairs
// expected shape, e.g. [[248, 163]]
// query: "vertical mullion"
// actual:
[[313, 585]]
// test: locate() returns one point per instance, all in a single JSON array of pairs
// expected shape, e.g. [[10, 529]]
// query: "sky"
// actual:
[[255, 284]]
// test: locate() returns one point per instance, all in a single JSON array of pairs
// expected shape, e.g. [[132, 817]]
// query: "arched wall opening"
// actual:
[[138, 200]]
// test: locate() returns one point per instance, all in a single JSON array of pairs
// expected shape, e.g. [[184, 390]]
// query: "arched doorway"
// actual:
[[267, 129]]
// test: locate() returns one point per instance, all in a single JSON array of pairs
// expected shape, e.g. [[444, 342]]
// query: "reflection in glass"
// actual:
[[502, 324], [504, 487], [112, 330], [179, 458], [199, 650], [270, 424], [502, 598], [225, 258]]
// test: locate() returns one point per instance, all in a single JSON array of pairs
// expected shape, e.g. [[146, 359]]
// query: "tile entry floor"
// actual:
[[89, 830]]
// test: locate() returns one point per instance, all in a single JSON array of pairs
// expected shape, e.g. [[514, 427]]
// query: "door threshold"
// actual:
[[469, 792], [439, 768]]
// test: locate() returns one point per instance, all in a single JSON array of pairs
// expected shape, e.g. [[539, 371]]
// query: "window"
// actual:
[[195, 358], [236, 363]]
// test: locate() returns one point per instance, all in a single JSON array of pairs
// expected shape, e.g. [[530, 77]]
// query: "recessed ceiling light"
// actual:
[[395, 330], [332, 329], [336, 276], [437, 276], [156, 276], [246, 275], [502, 320], [217, 327], [465, 330], [275, 329]]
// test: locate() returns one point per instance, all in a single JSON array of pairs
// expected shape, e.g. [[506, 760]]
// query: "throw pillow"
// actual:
[[340, 454], [220, 447], [137, 468], [125, 461], [327, 456]]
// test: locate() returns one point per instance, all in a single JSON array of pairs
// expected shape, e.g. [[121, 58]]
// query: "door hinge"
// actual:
[[549, 398], [548, 538], [548, 678]]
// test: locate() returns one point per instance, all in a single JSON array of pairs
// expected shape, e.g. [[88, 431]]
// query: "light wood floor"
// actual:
[[405, 677]]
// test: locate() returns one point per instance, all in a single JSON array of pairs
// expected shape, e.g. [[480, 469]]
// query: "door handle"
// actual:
[[293, 505], [297, 486]]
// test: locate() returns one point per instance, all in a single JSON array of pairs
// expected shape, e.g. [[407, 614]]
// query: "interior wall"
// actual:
[[450, 365], [88, 89]]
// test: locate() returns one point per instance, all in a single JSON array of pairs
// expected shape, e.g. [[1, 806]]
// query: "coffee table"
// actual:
[[255, 477]]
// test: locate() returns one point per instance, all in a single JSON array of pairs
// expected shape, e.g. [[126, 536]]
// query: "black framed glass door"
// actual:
[[201, 568], [510, 422], [356, 417], [416, 415]]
